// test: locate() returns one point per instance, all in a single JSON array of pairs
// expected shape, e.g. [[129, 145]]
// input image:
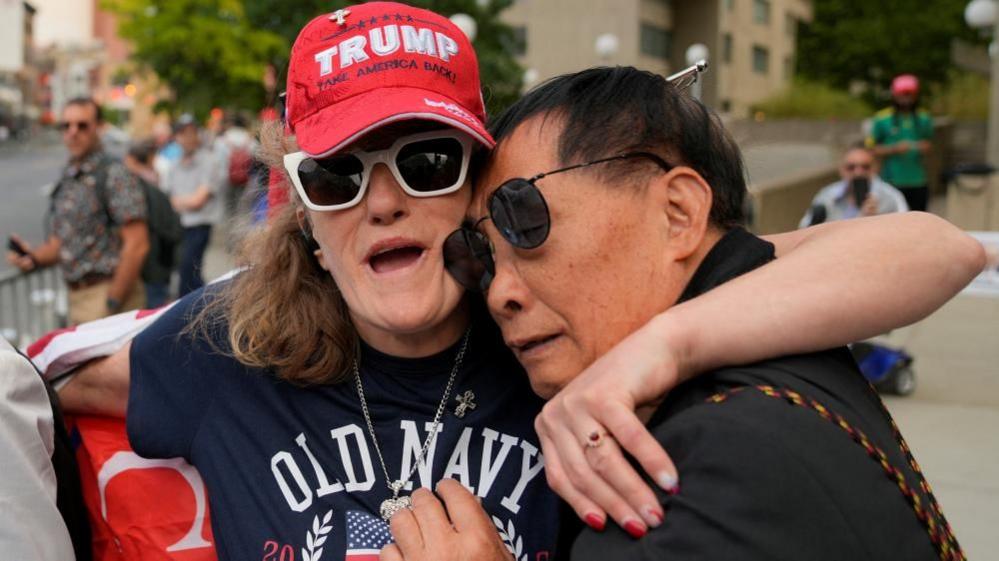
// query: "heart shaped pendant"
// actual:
[[394, 505]]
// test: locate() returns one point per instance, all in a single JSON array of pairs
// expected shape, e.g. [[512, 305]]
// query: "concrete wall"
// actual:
[[779, 205], [561, 33], [738, 84]]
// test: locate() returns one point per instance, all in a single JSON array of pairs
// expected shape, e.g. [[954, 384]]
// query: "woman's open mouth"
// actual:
[[394, 254], [395, 259]]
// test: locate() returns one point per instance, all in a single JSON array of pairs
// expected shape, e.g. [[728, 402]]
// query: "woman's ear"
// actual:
[[685, 199], [305, 228]]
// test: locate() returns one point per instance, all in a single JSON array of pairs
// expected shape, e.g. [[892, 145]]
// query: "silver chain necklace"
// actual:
[[396, 503]]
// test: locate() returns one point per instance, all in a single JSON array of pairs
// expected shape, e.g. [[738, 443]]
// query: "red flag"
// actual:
[[154, 510]]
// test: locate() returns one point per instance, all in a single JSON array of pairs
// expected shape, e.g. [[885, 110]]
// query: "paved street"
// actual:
[[25, 171]]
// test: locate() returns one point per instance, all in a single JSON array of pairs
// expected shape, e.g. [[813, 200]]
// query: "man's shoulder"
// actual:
[[752, 401], [884, 114]]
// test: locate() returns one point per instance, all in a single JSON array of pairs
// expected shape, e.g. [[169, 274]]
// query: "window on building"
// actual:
[[727, 48], [788, 67], [761, 11], [655, 41], [518, 46], [761, 59], [726, 105], [790, 25]]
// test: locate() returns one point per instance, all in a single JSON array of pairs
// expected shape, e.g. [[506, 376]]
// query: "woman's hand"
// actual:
[[585, 428], [457, 530]]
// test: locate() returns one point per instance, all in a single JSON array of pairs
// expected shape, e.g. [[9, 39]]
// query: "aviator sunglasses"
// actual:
[[427, 164], [519, 212]]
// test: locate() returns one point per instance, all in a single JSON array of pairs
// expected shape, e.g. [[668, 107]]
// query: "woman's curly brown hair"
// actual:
[[283, 312]]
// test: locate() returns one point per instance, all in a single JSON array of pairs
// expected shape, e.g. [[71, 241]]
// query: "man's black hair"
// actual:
[[83, 100], [608, 111]]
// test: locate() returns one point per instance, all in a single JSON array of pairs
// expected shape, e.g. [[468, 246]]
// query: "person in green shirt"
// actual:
[[901, 136]]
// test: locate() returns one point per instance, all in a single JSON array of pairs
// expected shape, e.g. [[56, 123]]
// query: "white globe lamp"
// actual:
[[466, 24]]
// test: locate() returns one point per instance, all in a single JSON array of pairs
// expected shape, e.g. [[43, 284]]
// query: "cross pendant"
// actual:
[[339, 16], [464, 403]]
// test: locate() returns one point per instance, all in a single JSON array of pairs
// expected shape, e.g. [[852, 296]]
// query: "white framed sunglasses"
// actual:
[[428, 164]]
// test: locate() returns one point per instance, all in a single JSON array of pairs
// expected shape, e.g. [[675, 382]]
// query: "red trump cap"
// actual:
[[372, 64]]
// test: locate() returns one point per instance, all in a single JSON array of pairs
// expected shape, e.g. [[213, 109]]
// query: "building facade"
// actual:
[[751, 43], [18, 72]]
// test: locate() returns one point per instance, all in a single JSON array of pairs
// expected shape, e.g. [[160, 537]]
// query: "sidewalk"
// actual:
[[951, 420]]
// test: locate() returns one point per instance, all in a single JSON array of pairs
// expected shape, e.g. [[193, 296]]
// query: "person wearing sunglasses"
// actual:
[[344, 369], [583, 235], [96, 224], [858, 180]]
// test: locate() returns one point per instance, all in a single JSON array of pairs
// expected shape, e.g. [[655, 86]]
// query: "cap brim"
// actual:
[[337, 126]]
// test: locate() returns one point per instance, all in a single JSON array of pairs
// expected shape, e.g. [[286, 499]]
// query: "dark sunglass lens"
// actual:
[[469, 259], [430, 165], [520, 213], [331, 181]]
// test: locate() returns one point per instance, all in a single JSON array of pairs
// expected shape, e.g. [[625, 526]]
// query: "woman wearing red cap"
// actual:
[[901, 136], [344, 369]]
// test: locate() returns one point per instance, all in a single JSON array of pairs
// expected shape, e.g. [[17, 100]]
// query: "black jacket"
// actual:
[[764, 478]]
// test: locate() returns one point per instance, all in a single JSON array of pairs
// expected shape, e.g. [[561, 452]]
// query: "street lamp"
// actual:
[[466, 24], [695, 54], [981, 14], [530, 78], [606, 46]]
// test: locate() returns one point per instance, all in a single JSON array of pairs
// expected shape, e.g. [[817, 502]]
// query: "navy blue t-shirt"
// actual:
[[286, 466]]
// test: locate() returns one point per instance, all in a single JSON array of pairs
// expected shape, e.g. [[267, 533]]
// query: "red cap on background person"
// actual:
[[905, 84], [369, 65]]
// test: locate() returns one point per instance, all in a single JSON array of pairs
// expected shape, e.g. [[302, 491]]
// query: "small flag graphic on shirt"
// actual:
[[366, 536]]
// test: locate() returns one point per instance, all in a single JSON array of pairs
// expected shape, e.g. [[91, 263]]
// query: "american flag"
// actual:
[[366, 536]]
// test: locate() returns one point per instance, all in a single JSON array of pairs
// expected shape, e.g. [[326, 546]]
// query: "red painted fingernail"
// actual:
[[595, 521], [653, 517], [635, 529], [674, 491]]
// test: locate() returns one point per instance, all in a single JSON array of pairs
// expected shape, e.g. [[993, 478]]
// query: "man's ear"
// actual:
[[685, 198]]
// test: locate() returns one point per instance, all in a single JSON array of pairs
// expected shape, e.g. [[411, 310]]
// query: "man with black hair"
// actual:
[[96, 224], [611, 197]]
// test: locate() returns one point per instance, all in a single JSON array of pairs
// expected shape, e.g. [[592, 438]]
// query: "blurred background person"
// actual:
[[164, 224], [96, 224], [900, 136], [859, 192], [193, 186]]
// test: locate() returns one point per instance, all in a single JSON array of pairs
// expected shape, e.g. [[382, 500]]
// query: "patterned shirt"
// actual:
[[87, 227]]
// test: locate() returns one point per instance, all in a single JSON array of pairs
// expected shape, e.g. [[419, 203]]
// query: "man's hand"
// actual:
[[457, 530], [870, 207], [587, 426], [24, 262]]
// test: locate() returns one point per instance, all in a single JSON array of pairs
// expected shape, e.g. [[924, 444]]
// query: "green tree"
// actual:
[[206, 51], [852, 41], [213, 52]]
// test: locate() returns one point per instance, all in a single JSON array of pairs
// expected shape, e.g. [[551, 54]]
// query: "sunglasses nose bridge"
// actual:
[[384, 194]]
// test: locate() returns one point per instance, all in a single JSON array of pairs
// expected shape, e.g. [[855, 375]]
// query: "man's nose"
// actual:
[[508, 294], [386, 201]]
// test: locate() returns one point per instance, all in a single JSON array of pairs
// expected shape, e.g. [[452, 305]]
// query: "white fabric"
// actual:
[[90, 340], [30, 524]]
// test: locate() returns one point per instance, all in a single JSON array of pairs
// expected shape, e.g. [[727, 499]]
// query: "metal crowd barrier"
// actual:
[[32, 304]]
